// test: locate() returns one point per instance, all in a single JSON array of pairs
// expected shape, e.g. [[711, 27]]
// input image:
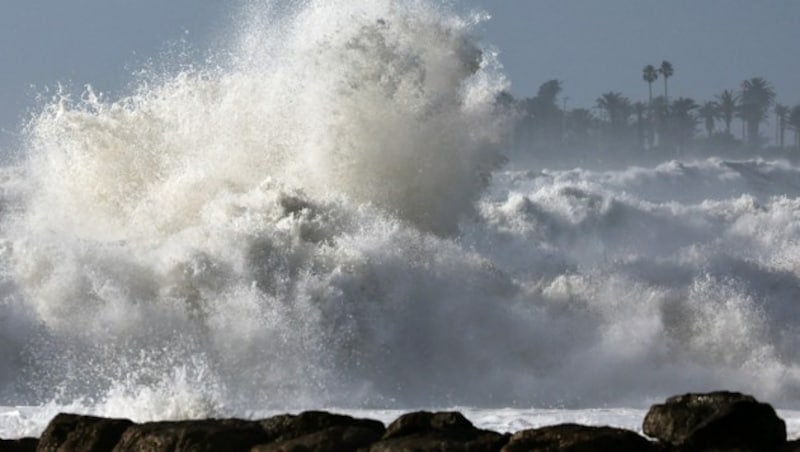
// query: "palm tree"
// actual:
[[650, 75], [709, 112], [618, 108], [666, 70], [580, 124], [548, 91], [660, 111], [794, 123], [728, 104], [543, 109], [757, 96], [676, 121], [640, 108], [683, 120], [781, 111]]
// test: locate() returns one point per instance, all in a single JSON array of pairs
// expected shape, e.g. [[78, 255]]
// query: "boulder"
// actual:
[[578, 438], [19, 445], [331, 439], [442, 432], [791, 446], [319, 431], [79, 433], [716, 420], [289, 426], [228, 435]]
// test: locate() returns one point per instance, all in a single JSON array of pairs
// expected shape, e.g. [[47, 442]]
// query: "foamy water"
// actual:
[[319, 220]]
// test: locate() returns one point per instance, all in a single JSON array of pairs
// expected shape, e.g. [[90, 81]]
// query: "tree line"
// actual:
[[661, 123]]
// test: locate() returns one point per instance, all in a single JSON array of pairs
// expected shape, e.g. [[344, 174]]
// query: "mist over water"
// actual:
[[319, 219]]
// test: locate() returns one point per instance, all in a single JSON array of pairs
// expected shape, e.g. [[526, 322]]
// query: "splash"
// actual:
[[234, 220], [369, 102]]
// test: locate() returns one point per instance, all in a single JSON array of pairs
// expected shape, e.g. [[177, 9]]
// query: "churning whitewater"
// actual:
[[320, 217]]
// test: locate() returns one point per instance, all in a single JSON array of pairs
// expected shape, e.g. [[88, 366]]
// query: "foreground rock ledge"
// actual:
[[720, 420], [689, 422]]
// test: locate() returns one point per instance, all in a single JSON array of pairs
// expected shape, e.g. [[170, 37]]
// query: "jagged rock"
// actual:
[[224, 435], [19, 445], [442, 432], [578, 438], [319, 431], [716, 420], [72, 432]]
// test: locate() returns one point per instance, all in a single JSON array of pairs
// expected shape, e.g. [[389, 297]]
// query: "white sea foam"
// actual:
[[307, 223]]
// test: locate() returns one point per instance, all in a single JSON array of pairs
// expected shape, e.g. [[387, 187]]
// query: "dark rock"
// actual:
[[331, 439], [319, 431], [716, 420], [19, 445], [578, 438], [791, 446], [228, 435], [451, 423], [72, 432], [288, 426], [443, 432]]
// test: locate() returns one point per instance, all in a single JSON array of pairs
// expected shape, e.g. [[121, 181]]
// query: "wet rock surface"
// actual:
[[716, 420], [18, 445], [202, 435], [578, 438], [68, 432], [690, 422], [443, 431]]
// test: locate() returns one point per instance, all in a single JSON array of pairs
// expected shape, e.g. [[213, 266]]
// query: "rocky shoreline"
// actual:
[[690, 422]]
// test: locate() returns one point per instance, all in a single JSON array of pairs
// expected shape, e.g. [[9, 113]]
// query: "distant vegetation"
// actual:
[[660, 125]]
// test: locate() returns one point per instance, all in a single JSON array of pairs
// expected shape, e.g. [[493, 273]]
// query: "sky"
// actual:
[[592, 46], [596, 46]]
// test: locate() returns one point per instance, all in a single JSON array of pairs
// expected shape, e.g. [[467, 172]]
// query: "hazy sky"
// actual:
[[593, 46]]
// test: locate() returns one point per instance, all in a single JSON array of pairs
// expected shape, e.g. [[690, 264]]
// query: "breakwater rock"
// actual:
[[689, 422]]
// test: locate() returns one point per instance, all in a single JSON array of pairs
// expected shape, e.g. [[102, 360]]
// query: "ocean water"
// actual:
[[318, 215]]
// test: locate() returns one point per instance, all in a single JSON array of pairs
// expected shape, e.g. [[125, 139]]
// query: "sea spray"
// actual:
[[233, 220]]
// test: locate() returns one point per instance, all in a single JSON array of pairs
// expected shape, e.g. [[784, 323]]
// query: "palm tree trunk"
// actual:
[[777, 129], [752, 133], [649, 126]]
